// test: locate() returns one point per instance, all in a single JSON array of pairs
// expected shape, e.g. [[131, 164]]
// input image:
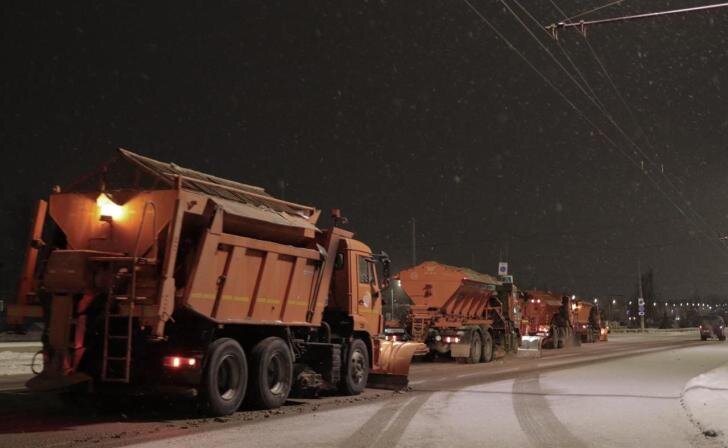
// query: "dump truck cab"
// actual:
[[356, 290]]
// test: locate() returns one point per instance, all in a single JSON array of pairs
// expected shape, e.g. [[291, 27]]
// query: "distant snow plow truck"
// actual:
[[547, 322], [156, 277], [458, 312]]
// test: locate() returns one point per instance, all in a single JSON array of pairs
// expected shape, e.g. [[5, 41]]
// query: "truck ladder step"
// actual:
[[122, 371]]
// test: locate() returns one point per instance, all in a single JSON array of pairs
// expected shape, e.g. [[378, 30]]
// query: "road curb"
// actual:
[[705, 399]]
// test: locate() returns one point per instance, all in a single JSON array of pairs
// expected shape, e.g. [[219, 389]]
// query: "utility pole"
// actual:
[[641, 298], [414, 244], [282, 186]]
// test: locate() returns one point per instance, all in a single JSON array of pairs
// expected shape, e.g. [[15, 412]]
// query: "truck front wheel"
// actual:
[[224, 378], [355, 370], [272, 375]]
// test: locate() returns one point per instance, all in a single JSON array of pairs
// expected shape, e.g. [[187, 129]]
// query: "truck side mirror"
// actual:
[[339, 261]]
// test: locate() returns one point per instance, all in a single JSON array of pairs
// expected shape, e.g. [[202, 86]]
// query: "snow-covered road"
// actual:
[[623, 402]]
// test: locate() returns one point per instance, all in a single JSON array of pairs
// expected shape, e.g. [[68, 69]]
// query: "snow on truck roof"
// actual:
[[129, 172], [466, 273]]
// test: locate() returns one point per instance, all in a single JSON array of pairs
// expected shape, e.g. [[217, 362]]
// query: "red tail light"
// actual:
[[176, 362]]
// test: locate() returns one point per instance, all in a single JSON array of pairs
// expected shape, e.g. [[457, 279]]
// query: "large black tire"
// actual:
[[271, 376], [476, 349], [486, 354], [560, 337], [224, 377], [703, 337], [355, 368]]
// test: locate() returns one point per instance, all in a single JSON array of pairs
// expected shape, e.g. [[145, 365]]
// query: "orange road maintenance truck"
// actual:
[[457, 312], [150, 276], [547, 320], [587, 321]]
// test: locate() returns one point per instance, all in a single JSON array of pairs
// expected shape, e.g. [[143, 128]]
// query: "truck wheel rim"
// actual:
[[228, 377], [275, 375], [357, 367]]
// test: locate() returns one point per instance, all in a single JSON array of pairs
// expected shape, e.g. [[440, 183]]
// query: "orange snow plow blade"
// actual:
[[392, 364]]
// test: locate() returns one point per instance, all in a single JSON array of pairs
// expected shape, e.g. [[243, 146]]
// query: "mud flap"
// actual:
[[392, 363], [56, 375], [530, 347]]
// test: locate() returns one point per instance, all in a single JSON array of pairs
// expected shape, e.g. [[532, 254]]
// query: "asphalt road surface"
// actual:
[[626, 392]]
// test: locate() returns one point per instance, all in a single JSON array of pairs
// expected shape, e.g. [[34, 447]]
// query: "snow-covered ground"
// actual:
[[15, 357], [705, 397], [14, 363]]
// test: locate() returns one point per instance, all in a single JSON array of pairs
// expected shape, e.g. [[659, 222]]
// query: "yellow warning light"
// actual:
[[108, 209]]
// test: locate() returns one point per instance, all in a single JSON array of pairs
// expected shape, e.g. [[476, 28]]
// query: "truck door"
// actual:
[[368, 304]]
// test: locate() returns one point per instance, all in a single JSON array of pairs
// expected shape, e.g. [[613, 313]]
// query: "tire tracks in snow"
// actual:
[[390, 422], [537, 420]]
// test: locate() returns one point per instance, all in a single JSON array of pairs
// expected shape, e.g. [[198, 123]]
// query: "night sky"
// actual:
[[393, 110]]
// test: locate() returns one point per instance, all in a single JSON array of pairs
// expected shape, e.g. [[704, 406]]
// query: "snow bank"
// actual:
[[705, 397], [15, 363]]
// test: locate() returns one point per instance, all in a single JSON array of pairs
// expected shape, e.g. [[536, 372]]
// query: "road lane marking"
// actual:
[[496, 372]]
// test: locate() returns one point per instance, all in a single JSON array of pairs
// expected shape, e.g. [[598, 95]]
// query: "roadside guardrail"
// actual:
[[653, 330]]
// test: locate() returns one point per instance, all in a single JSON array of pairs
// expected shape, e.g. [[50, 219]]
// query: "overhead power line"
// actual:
[[593, 10], [658, 168], [711, 234], [582, 24]]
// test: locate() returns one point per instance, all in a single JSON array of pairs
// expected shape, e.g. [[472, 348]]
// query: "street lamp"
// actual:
[[613, 302]]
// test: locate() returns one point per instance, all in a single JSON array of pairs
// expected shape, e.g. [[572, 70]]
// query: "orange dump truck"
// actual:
[[149, 275], [548, 316], [458, 312]]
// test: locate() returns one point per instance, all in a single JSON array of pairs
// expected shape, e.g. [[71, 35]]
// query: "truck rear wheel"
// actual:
[[559, 337], [476, 348], [272, 373], [355, 370], [487, 352], [224, 377]]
